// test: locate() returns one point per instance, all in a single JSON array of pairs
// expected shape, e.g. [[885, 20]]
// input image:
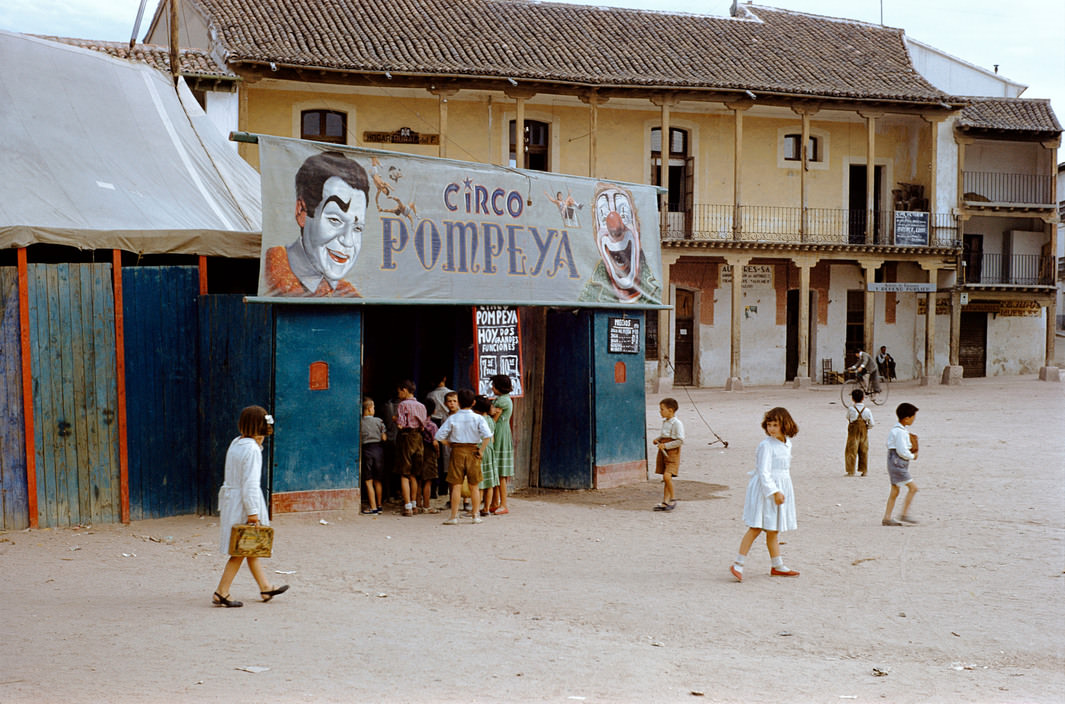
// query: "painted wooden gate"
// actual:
[[568, 436], [159, 306], [72, 349], [14, 506]]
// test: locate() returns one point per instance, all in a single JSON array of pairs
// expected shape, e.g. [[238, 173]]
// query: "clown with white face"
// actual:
[[618, 241]]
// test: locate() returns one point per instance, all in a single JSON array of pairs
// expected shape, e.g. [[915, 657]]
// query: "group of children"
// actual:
[[467, 435], [769, 505]]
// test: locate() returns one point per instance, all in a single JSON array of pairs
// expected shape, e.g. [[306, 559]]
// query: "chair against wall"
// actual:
[[828, 376]]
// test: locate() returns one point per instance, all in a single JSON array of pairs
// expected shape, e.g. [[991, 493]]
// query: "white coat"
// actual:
[[241, 495]]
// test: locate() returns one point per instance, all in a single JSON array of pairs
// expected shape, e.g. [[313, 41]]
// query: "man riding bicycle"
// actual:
[[864, 364]]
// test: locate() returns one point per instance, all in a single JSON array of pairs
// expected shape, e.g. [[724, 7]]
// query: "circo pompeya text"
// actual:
[[468, 247]]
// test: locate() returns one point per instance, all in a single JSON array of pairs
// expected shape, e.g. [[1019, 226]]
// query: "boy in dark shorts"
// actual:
[[372, 436], [901, 448]]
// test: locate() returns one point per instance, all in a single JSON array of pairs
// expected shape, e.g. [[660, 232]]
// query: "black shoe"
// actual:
[[267, 596], [225, 601]]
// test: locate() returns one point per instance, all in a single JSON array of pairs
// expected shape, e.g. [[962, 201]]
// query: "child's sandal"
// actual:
[[268, 595]]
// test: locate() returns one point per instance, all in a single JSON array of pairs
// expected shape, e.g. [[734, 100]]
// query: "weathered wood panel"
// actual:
[[75, 398], [235, 370], [567, 444], [160, 305], [14, 502]]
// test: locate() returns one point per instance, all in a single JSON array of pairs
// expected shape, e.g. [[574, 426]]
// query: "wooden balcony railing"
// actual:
[[1010, 269], [1002, 188], [766, 223]]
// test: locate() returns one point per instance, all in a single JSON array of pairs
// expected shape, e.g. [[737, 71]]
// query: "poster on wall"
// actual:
[[911, 228], [354, 223], [498, 350], [623, 335]]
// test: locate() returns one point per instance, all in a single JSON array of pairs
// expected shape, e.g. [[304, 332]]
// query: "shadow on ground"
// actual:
[[636, 497]]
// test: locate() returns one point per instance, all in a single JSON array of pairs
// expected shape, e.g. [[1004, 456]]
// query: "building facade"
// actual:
[[824, 190]]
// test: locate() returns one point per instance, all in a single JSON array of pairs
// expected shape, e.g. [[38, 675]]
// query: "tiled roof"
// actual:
[[1009, 114], [766, 50], [194, 62]]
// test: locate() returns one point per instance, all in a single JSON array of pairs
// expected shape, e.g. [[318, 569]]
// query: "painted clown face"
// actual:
[[332, 235], [618, 237]]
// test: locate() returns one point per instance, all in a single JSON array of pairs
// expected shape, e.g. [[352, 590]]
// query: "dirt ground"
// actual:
[[592, 596]]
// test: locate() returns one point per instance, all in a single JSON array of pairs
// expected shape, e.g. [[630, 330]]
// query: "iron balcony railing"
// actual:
[[787, 225], [1015, 189], [1010, 269]]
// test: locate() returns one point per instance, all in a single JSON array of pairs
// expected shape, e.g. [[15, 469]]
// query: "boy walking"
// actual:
[[468, 436], [667, 459], [859, 421], [901, 448]]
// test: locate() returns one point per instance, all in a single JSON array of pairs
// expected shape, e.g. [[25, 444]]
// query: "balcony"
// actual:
[[1010, 270], [784, 225], [985, 189]]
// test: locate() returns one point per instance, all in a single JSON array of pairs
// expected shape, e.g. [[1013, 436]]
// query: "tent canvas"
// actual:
[[101, 153]]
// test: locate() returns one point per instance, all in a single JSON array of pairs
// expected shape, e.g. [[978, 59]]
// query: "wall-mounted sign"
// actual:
[[754, 275], [911, 228], [902, 287], [498, 350], [623, 335], [404, 135]]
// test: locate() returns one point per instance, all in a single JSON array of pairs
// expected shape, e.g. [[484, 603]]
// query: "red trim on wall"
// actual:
[[322, 500], [608, 476], [120, 382], [27, 384]]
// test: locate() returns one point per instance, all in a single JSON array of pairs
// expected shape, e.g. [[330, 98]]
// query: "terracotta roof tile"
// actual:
[[1010, 114], [767, 50], [194, 62]]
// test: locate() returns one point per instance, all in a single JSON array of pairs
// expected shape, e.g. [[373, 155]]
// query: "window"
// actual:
[[791, 148], [324, 126], [681, 176], [537, 146]]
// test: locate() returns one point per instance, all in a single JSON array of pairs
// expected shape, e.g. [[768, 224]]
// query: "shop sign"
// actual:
[[754, 275], [1019, 309], [942, 305], [354, 223], [911, 228], [404, 135], [623, 335], [498, 351]]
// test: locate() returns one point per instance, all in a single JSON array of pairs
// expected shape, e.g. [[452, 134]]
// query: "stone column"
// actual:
[[802, 374], [869, 312], [930, 328], [735, 382], [664, 383], [1049, 371], [953, 372]]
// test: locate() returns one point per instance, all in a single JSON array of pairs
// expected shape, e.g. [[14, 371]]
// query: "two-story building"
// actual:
[[820, 194]]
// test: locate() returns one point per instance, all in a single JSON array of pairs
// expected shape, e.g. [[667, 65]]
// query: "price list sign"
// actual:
[[498, 335], [624, 336]]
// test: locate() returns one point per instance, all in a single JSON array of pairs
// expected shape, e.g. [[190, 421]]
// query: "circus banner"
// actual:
[[352, 223]]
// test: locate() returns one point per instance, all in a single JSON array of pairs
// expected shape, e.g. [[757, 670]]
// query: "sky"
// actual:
[[1026, 38]]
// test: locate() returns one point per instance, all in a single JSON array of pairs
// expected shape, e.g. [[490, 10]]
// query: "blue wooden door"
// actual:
[[14, 503], [235, 359], [619, 402], [317, 408], [567, 435], [160, 315], [72, 342]]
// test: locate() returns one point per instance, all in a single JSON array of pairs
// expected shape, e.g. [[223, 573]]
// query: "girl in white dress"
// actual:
[[241, 499], [770, 503]]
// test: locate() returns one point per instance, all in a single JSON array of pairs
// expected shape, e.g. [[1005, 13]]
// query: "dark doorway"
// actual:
[[536, 146], [972, 347], [973, 258], [856, 203], [791, 354], [855, 325], [684, 339]]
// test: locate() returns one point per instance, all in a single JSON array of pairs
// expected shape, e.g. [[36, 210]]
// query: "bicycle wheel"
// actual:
[[880, 397], [845, 392]]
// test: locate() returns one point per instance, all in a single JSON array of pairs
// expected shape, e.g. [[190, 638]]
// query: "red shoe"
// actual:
[[500, 511], [736, 573], [777, 572]]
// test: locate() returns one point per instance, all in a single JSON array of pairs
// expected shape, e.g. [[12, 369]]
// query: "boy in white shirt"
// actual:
[[468, 436], [667, 460], [901, 448]]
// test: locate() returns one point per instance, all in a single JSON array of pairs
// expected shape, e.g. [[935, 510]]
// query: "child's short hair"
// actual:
[[406, 384], [502, 383], [451, 394], [905, 410], [670, 403], [781, 416], [481, 404], [466, 397], [367, 404], [857, 395], [254, 420]]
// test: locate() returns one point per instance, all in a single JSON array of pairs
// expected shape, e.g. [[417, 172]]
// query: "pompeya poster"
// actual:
[[345, 222]]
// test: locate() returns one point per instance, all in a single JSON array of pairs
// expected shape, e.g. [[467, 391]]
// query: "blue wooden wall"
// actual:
[[568, 435], [14, 506], [161, 334], [235, 371], [72, 340], [316, 439], [620, 408]]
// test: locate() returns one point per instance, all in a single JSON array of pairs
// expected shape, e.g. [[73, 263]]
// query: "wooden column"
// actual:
[[27, 385], [519, 95], [869, 314], [870, 174], [735, 381], [805, 112], [442, 94], [933, 164], [952, 373], [594, 100], [1050, 371], [665, 325], [930, 328], [737, 166], [120, 384], [802, 374], [665, 102]]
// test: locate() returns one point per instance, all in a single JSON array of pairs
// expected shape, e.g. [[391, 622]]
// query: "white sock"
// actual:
[[778, 561]]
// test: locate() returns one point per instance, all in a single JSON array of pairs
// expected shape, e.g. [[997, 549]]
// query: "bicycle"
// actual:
[[879, 398]]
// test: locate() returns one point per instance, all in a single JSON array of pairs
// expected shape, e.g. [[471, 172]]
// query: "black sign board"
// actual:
[[911, 228], [624, 335], [498, 349]]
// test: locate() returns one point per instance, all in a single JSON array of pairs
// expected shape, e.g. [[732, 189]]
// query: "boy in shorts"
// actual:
[[901, 448], [468, 436], [667, 459], [372, 435], [410, 419]]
